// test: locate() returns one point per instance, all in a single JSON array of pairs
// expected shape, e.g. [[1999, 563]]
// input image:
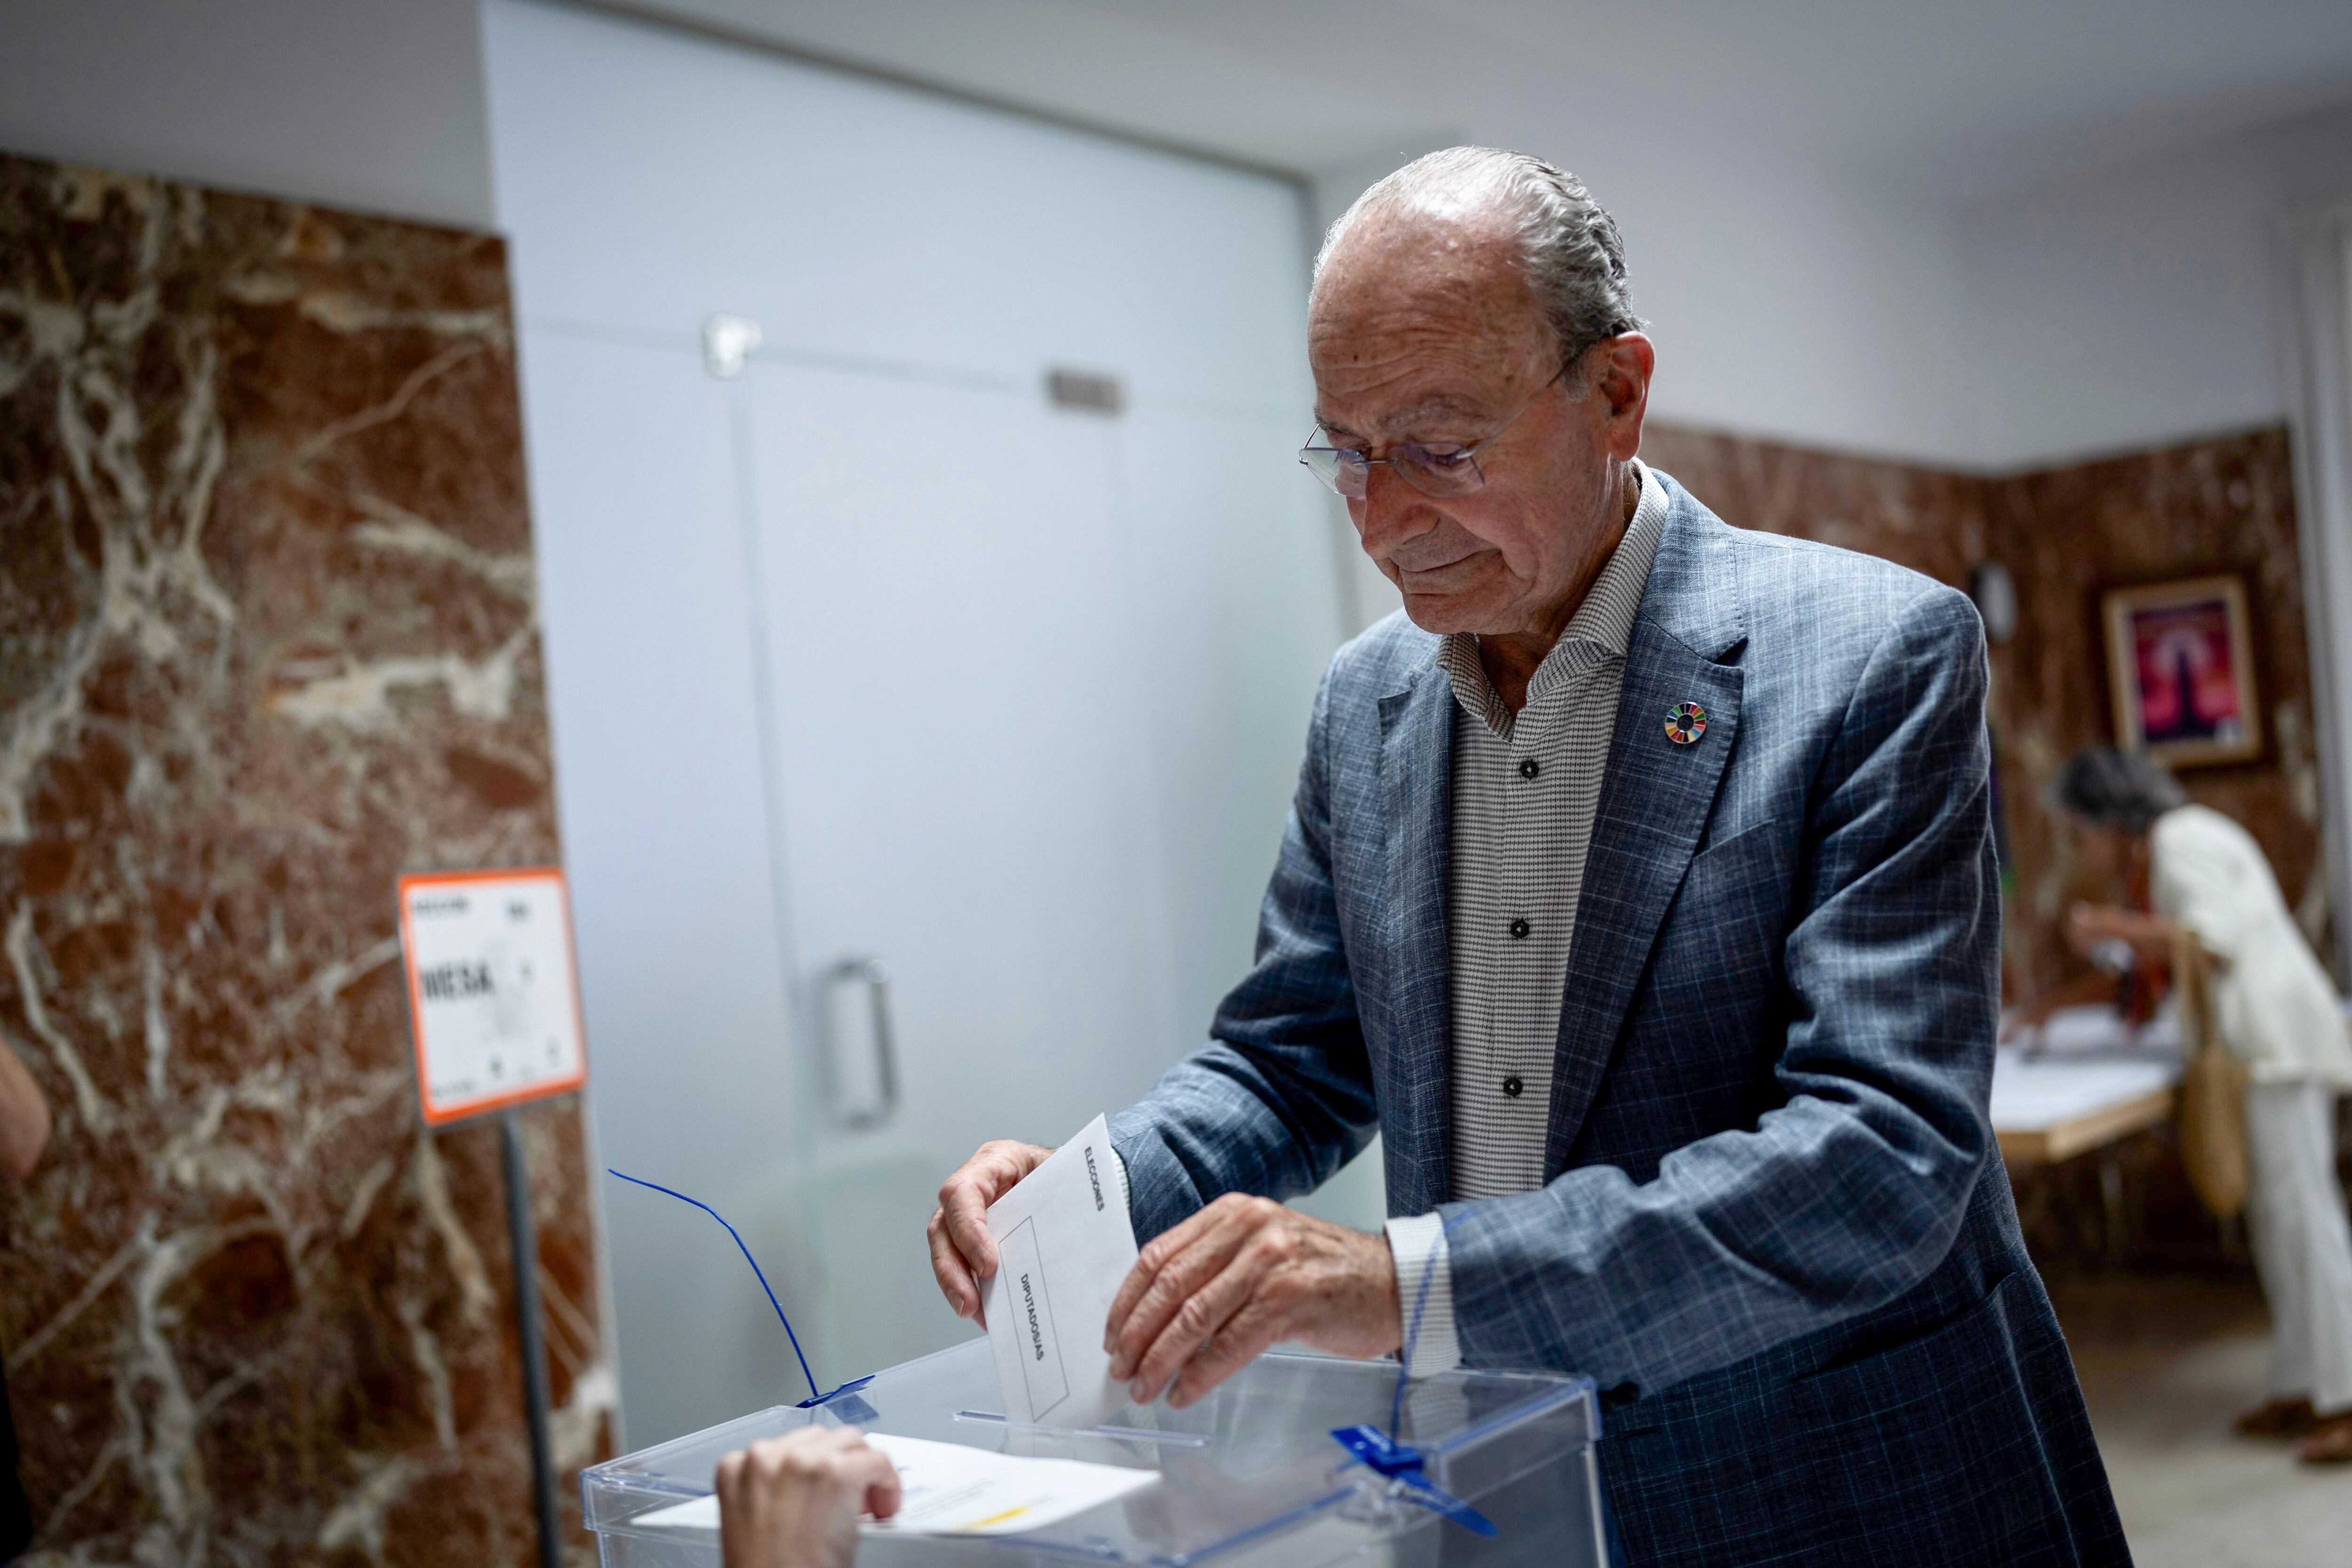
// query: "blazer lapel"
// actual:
[[1416, 789], [1655, 800]]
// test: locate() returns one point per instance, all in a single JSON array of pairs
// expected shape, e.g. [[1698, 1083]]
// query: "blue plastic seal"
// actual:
[[845, 1403], [1385, 1456]]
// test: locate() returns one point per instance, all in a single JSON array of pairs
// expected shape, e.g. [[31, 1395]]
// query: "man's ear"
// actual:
[[1622, 379]]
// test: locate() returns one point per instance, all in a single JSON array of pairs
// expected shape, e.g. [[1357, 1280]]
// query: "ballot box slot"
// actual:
[[1103, 1433]]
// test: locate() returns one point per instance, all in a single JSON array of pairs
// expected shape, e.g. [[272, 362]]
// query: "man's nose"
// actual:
[[1389, 512]]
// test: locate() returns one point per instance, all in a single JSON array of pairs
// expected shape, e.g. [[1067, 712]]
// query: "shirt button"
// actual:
[[1529, 768], [1519, 928], [1513, 1087]]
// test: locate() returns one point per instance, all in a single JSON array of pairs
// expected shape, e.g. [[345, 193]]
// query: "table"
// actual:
[[2081, 1085], [2046, 1109]]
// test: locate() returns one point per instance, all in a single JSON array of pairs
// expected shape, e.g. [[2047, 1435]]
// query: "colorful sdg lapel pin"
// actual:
[[1685, 724]]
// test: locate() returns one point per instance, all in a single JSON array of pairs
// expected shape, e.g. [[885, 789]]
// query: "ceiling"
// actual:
[[1975, 96]]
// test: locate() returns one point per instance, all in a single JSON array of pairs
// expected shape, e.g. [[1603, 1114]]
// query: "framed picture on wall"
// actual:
[[2181, 668]]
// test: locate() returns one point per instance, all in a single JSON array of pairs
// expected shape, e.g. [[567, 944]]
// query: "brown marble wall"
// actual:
[[1929, 521], [2224, 504], [267, 639]]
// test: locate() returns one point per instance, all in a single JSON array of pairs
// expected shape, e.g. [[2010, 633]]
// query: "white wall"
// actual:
[[355, 103], [1790, 304], [2139, 303]]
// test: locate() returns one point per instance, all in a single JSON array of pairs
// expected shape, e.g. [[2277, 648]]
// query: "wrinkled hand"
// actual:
[[963, 1252], [1209, 1294], [793, 1501]]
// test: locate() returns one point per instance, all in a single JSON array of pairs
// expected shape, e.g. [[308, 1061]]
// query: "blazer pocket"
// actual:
[[1925, 1338], [1940, 1425]]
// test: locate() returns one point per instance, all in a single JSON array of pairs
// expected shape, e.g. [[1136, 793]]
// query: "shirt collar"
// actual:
[[1601, 628]]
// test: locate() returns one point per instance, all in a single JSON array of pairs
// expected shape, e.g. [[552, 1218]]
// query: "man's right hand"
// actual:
[[963, 1252]]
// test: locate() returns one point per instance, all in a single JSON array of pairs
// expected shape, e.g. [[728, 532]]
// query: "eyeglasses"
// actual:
[[1434, 468]]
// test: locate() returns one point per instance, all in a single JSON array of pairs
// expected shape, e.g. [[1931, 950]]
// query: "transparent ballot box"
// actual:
[[1250, 1477]]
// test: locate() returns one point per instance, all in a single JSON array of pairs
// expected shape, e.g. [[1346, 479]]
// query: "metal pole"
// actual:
[[534, 1352]]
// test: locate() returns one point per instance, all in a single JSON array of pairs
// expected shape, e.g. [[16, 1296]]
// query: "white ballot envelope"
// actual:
[[1063, 1245]]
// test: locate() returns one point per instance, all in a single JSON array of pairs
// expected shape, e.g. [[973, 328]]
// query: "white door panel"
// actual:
[[962, 763], [960, 757]]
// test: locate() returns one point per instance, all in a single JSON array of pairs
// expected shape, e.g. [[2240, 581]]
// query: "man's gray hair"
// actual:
[[2117, 789], [1570, 250]]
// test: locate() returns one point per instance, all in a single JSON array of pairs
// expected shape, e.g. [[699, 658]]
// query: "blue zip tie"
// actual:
[[814, 1398], [1387, 1454], [1402, 1462], [855, 1383]]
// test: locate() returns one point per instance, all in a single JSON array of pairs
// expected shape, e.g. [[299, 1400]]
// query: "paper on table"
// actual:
[[947, 1489], [1063, 1245]]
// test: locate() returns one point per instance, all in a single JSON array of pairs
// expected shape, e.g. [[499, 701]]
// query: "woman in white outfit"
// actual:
[[2275, 1010]]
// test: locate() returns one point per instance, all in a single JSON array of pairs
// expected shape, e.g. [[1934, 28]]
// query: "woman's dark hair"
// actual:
[[2117, 789]]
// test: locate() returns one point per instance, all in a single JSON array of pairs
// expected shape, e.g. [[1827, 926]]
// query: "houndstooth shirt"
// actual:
[[1526, 787]]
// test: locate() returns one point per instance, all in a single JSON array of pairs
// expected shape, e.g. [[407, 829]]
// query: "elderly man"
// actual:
[[1639, 888]]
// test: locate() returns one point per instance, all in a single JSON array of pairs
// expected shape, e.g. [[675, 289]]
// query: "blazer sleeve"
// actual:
[[1281, 1096], [1853, 1188]]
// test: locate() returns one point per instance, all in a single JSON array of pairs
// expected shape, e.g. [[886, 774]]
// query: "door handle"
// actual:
[[876, 980]]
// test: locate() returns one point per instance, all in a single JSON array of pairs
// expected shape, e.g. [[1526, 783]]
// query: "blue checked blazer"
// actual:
[[1775, 1224]]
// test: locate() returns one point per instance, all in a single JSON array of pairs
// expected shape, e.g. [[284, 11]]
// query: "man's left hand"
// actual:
[[1241, 1275]]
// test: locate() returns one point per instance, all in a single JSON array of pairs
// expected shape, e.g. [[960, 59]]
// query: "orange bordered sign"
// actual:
[[493, 993]]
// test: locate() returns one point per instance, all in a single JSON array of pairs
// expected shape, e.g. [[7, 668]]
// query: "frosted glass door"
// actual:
[[870, 653], [968, 795]]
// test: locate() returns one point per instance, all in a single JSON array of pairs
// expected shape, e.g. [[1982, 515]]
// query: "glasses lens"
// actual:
[[1342, 470], [1437, 471]]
